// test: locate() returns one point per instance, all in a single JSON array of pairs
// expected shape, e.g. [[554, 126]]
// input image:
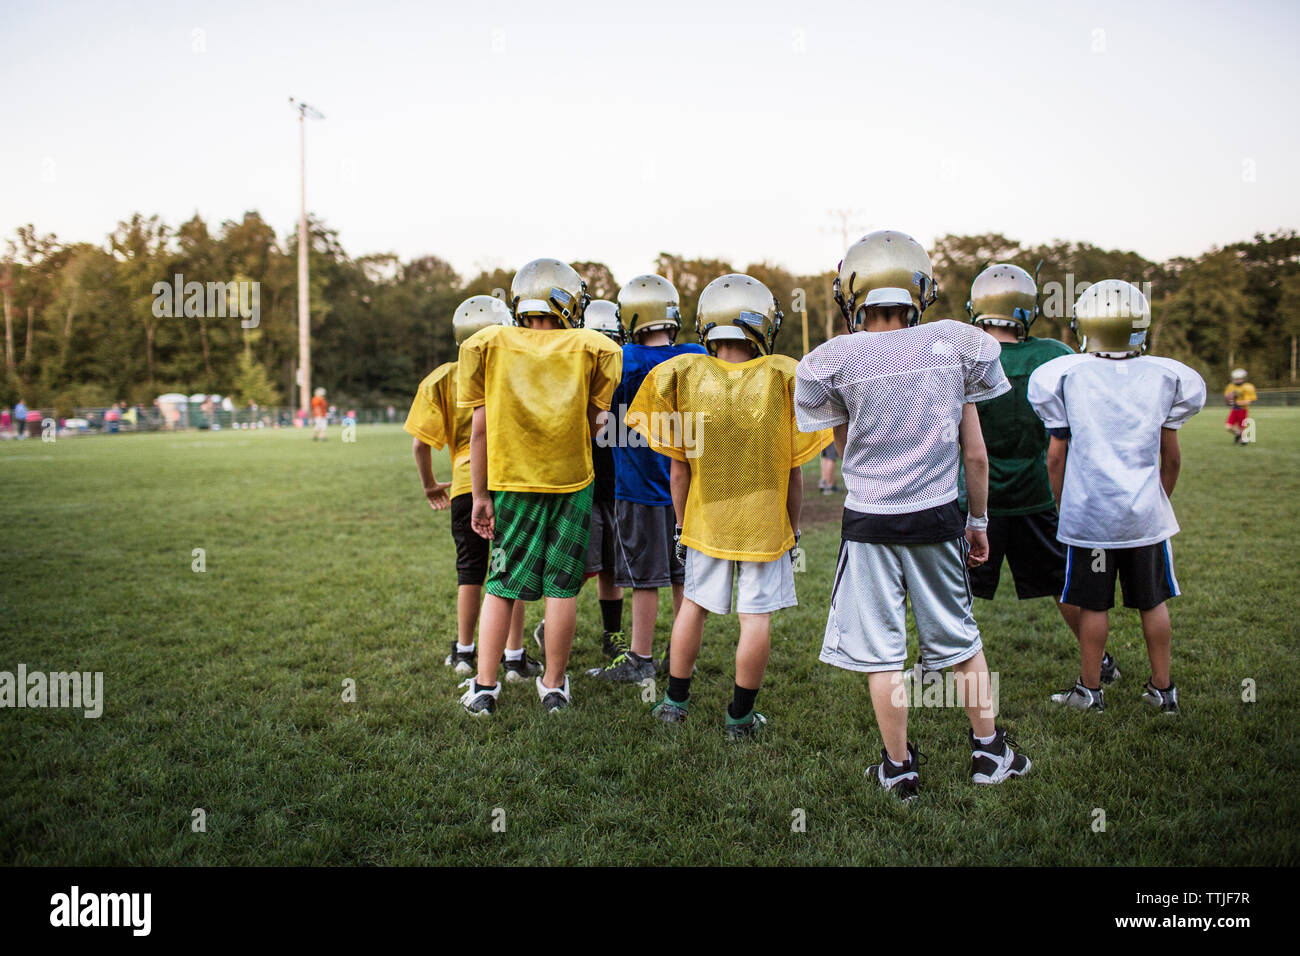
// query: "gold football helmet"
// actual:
[[549, 287], [740, 308], [1112, 316], [1006, 295], [478, 312], [885, 267], [649, 302], [601, 315]]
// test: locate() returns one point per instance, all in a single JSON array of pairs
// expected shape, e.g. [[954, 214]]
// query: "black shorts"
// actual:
[[471, 548], [1037, 559], [1146, 576], [600, 543], [644, 557]]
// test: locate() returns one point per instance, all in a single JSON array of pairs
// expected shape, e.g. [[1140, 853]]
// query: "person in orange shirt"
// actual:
[[1238, 396], [318, 410]]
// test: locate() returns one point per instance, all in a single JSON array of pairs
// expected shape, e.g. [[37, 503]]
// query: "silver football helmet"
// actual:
[[1004, 295], [601, 315]]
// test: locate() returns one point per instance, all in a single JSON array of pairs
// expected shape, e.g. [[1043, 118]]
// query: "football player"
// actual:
[[901, 397], [1022, 512], [1238, 396], [645, 558], [535, 389], [602, 316], [1113, 415], [435, 421], [726, 422]]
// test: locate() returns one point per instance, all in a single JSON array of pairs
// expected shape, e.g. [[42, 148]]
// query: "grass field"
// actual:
[[223, 689]]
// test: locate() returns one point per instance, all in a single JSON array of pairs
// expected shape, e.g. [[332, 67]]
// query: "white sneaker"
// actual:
[[554, 698], [995, 762], [479, 702]]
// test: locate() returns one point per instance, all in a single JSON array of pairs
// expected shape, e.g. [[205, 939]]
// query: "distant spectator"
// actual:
[[34, 423], [6, 421], [20, 417], [319, 410]]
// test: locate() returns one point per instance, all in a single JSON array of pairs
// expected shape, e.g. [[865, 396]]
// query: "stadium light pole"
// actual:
[[304, 298], [845, 217]]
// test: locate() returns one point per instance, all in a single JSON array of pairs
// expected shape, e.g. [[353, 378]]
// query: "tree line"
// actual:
[[82, 327]]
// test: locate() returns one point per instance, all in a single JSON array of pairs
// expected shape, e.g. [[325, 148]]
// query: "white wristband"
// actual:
[[977, 524]]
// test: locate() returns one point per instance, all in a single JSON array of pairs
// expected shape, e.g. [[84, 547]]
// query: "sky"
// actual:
[[489, 133]]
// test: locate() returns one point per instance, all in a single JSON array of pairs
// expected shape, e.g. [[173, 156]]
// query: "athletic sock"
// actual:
[[679, 689], [478, 687], [892, 763], [464, 648], [516, 655], [742, 702], [985, 741], [611, 613]]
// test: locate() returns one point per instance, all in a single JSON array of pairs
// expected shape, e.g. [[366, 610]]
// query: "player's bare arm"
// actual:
[[794, 499], [1057, 451], [1171, 460], [482, 517], [679, 483], [434, 490], [975, 458]]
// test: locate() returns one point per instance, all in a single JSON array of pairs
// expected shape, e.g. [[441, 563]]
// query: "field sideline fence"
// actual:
[[191, 416]]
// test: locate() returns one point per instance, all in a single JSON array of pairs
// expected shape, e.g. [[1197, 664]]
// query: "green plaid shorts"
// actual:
[[541, 544]]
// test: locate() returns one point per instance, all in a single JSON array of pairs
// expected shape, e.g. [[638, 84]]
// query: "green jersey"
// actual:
[[1015, 437]]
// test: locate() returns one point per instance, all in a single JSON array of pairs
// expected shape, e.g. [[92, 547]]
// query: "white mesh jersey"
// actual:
[[1115, 409], [901, 394]]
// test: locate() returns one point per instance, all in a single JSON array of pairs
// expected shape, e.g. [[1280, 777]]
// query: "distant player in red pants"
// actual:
[[1238, 396]]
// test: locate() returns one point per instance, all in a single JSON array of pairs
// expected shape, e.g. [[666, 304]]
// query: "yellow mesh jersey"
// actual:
[[536, 384], [1242, 394], [734, 425], [436, 420]]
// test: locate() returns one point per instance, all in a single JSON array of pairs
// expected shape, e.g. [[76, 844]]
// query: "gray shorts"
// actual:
[[600, 542], [764, 586], [867, 626], [643, 546]]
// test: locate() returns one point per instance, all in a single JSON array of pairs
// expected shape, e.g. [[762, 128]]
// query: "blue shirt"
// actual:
[[641, 474]]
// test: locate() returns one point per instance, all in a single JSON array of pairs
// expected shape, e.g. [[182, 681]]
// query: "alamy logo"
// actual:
[[682, 430], [919, 687], [215, 300], [56, 689], [75, 908]]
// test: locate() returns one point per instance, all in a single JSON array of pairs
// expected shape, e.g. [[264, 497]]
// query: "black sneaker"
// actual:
[[996, 762], [1166, 701], [745, 727], [625, 669], [1080, 697], [554, 698], [613, 644], [670, 711], [479, 701], [1109, 670], [464, 662], [902, 781], [522, 669]]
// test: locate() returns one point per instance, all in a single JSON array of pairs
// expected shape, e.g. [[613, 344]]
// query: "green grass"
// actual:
[[223, 689]]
